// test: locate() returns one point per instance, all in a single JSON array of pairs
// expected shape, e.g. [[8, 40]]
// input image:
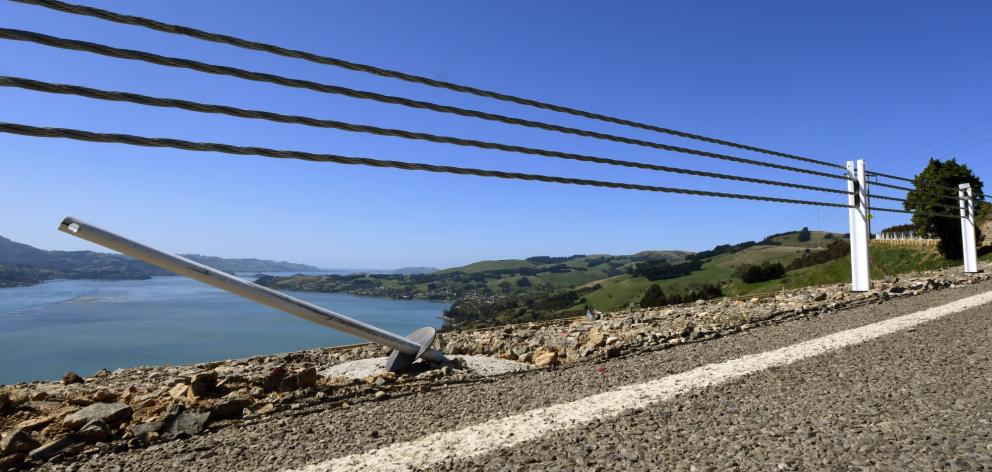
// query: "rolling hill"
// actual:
[[21, 264]]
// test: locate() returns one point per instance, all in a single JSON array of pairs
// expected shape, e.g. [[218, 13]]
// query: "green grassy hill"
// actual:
[[619, 292], [885, 261], [519, 290]]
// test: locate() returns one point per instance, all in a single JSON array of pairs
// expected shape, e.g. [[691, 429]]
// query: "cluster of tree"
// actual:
[[553, 259], [722, 249], [804, 235], [770, 239], [906, 228], [17, 276], [496, 273], [931, 200], [475, 311], [660, 270], [654, 296], [836, 250], [754, 273]]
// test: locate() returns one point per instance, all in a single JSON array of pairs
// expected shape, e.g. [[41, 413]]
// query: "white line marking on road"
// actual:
[[503, 433]]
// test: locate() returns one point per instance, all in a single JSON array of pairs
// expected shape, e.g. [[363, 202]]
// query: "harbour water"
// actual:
[[85, 325]]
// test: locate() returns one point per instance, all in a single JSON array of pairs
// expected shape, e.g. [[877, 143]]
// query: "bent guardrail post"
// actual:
[[405, 350]]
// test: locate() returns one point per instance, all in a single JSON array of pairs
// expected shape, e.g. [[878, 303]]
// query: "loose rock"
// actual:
[[68, 445], [186, 423], [544, 356], [202, 385], [16, 442], [229, 408], [72, 378], [110, 413], [95, 431]]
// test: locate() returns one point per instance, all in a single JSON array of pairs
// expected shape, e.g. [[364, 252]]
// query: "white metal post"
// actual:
[[860, 229], [968, 228]]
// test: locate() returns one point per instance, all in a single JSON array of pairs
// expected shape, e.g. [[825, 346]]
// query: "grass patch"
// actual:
[[885, 261]]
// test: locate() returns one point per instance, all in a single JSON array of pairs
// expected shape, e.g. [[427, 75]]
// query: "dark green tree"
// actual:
[[931, 198], [653, 297], [804, 235]]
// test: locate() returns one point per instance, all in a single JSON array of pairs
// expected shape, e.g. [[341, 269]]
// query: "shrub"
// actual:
[[752, 273], [653, 297]]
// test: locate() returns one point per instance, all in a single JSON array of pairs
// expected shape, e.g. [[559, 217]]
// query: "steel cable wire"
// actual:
[[896, 177], [286, 52], [925, 185], [321, 123], [907, 189], [80, 135], [38, 38], [893, 210]]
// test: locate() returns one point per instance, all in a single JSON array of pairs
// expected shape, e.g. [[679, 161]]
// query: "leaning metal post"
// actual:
[[405, 350], [860, 229], [968, 228]]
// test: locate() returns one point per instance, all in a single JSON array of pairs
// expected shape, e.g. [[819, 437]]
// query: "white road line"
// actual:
[[507, 432]]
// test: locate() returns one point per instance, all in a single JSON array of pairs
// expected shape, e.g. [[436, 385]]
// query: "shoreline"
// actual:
[[209, 396]]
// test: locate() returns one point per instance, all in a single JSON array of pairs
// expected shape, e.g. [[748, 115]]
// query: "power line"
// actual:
[[80, 135], [321, 123], [942, 148], [278, 50], [937, 141], [970, 146], [38, 38]]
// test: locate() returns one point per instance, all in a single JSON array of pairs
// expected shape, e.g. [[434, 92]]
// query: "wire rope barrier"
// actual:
[[320, 59], [88, 92], [80, 135], [52, 41]]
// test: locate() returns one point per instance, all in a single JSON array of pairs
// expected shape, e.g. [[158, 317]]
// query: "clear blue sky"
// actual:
[[831, 80]]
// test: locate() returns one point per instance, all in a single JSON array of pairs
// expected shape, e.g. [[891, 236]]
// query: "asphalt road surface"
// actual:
[[904, 385]]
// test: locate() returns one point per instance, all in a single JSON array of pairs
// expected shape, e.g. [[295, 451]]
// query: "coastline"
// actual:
[[149, 402]]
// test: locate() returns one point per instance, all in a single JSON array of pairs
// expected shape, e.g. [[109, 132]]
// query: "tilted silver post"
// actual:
[[405, 350]]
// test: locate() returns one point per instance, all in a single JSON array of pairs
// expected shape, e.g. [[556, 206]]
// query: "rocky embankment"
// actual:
[[138, 407]]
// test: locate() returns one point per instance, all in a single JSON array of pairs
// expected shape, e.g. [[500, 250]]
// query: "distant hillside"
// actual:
[[520, 290], [413, 270], [21, 264], [486, 281], [250, 265]]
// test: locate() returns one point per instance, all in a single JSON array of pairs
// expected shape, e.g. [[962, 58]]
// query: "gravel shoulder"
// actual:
[[849, 392]]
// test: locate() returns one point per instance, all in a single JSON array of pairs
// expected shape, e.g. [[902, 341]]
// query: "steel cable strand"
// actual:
[[913, 181], [80, 135], [38, 38], [879, 174], [332, 124], [924, 213], [297, 54], [907, 189]]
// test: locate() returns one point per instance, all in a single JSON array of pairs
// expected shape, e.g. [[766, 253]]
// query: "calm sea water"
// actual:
[[85, 325]]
